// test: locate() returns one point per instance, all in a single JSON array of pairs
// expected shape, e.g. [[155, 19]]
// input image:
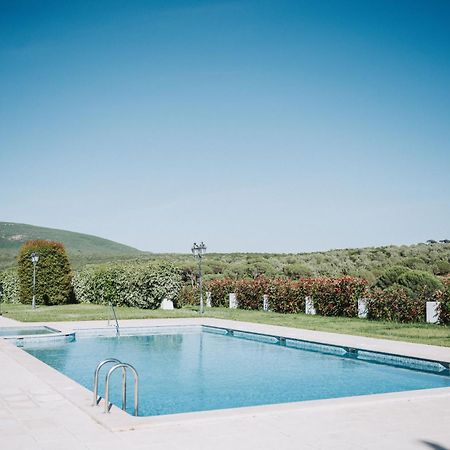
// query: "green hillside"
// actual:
[[368, 263], [82, 248]]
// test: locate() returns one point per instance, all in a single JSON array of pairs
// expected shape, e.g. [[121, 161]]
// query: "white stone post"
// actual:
[[208, 299], [309, 306], [433, 312], [265, 302], [167, 304], [362, 308], [233, 300]]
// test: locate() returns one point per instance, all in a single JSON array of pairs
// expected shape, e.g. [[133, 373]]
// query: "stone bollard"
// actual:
[[233, 300], [432, 312], [166, 304], [362, 308], [309, 306], [265, 302], [208, 299]]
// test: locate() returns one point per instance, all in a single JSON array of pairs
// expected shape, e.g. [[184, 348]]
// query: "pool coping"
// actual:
[[118, 420]]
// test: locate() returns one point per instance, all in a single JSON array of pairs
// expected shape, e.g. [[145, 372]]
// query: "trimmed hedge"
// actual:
[[187, 296], [190, 296], [337, 296], [142, 285], [53, 274], [9, 279], [332, 296], [395, 305], [287, 296], [249, 293], [444, 306], [220, 289]]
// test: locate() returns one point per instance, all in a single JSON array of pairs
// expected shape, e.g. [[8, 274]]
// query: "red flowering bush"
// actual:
[[219, 291], [337, 296], [287, 296], [443, 297], [395, 305], [332, 296], [249, 293]]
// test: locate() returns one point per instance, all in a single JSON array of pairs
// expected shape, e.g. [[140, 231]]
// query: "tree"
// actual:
[[390, 276], [420, 282], [297, 270], [53, 273]]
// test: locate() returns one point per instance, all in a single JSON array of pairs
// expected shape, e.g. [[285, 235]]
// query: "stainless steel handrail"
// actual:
[[96, 374], [124, 367], [115, 318]]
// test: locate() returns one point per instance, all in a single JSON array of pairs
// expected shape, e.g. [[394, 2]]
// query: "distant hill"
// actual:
[[368, 263], [80, 247]]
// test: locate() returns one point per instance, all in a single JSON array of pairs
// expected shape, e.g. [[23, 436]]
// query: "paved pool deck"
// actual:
[[41, 408]]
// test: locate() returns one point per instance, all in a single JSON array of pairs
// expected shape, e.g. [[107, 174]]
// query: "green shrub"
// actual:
[[189, 296], [390, 276], [416, 282], [443, 297], [338, 296], [143, 285], [220, 289], [297, 270], [394, 304], [249, 293], [441, 268], [420, 283], [332, 296], [53, 274], [9, 281], [287, 296]]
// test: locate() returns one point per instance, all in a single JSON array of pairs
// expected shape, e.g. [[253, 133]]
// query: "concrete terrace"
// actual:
[[42, 409]]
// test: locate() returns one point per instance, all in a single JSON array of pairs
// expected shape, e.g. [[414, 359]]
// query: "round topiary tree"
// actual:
[[53, 273]]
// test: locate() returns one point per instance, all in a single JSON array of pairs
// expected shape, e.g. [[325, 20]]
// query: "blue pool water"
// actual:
[[195, 370]]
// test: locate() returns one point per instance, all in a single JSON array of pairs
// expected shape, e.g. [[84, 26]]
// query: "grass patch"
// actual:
[[418, 332], [86, 311]]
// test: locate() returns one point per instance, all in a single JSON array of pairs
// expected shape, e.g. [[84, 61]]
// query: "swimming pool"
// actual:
[[26, 331], [200, 368]]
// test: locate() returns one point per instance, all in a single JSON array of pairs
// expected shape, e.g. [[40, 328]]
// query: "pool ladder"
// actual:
[[114, 316], [117, 365]]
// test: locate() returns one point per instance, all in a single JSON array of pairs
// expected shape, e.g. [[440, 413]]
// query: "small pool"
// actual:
[[205, 368], [25, 331]]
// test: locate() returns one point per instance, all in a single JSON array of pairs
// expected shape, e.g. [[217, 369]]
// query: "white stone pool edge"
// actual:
[[120, 421]]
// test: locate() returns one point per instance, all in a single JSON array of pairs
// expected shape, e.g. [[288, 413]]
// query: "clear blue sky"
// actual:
[[279, 126]]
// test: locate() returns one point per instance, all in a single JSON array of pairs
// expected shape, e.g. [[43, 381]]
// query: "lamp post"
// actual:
[[198, 250], [1, 299], [34, 260]]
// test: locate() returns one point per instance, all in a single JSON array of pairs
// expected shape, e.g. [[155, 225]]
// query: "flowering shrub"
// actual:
[[287, 296], [332, 296], [143, 285], [249, 293], [396, 305], [9, 281], [336, 296], [219, 291], [443, 297], [188, 296]]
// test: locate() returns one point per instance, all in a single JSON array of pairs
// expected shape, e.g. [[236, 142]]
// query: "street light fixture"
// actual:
[[198, 250], [34, 260], [1, 299]]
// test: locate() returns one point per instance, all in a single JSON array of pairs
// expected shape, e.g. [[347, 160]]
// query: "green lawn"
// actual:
[[421, 333]]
